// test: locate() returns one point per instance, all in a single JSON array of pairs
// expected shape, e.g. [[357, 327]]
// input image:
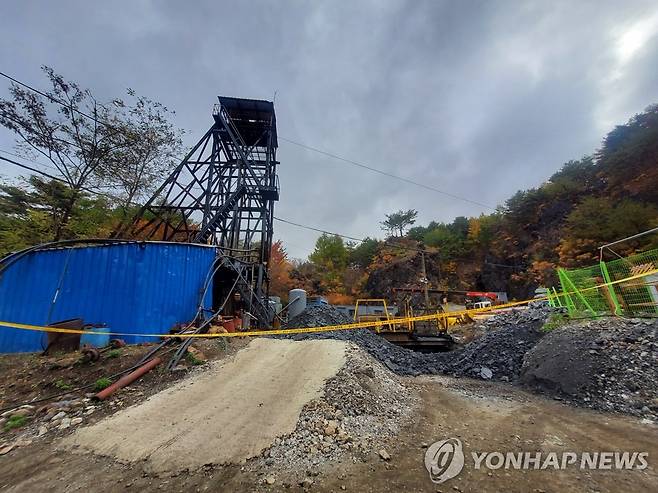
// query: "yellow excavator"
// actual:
[[426, 335]]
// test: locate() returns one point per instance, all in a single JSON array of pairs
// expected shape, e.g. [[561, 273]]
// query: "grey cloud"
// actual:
[[477, 98]]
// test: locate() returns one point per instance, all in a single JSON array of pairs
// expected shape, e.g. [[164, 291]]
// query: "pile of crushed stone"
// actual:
[[361, 408], [607, 364], [318, 316], [498, 354]]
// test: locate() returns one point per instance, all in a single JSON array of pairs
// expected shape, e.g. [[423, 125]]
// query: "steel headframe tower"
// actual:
[[223, 194]]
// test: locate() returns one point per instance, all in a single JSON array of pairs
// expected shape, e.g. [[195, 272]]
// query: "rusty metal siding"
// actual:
[[139, 288]]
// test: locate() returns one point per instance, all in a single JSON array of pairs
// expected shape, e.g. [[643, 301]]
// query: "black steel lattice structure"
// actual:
[[223, 194]]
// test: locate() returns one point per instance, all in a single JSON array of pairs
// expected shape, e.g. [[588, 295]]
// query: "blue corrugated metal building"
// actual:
[[138, 288]]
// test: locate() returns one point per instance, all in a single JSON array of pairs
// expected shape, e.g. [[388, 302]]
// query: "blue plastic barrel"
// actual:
[[95, 340]]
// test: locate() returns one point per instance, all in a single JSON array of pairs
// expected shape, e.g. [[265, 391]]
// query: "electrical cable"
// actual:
[[62, 180], [385, 173], [53, 99], [290, 141]]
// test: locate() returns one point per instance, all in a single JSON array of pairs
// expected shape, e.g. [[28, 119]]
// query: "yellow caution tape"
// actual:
[[306, 330]]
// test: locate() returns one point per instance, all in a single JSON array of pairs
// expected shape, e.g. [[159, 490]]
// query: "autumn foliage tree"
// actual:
[[279, 269]]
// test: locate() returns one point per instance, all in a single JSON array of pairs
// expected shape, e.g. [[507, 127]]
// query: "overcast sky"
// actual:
[[476, 98]]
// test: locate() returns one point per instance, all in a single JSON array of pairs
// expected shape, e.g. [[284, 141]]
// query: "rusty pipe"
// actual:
[[127, 379]]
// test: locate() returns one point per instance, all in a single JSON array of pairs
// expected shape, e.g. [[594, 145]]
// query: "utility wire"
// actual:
[[360, 240], [52, 177], [53, 99], [334, 156], [35, 170], [385, 173], [50, 166], [57, 178], [304, 146]]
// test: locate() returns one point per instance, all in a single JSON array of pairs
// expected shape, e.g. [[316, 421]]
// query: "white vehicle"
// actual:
[[481, 304]]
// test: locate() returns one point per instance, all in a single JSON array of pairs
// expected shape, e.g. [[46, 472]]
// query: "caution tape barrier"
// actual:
[[306, 330]]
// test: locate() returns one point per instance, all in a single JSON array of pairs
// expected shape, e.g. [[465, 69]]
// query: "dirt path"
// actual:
[[485, 416], [490, 417], [227, 414]]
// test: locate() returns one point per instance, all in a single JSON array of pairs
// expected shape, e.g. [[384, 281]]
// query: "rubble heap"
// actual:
[[499, 353], [607, 364], [318, 316], [496, 355], [360, 408]]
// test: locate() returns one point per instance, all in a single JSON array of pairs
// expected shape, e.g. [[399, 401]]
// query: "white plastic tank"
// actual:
[[297, 300], [276, 303]]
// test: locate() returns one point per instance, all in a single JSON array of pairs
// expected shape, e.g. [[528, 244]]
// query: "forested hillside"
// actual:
[[610, 194]]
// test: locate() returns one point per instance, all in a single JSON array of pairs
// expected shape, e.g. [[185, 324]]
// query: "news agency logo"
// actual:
[[444, 460]]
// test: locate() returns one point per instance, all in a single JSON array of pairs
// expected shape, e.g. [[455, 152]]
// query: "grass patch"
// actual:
[[114, 353], [555, 321], [16, 422], [192, 360], [102, 383], [61, 384]]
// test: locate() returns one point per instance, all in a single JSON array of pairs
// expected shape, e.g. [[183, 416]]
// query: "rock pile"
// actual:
[[608, 364], [318, 316], [58, 416], [362, 406], [498, 354]]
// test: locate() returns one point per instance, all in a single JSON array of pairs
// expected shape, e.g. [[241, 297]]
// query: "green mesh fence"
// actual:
[[636, 297]]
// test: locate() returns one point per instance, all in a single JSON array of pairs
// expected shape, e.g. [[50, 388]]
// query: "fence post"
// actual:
[[610, 288], [572, 289]]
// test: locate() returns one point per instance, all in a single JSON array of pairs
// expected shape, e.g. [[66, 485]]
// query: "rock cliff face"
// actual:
[[468, 274]]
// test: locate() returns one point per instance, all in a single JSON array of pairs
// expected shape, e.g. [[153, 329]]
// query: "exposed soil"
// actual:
[[486, 416], [227, 414], [31, 377]]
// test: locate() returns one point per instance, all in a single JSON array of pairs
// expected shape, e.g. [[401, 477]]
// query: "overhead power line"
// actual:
[[311, 228], [385, 173], [360, 240], [57, 178], [30, 168], [304, 146], [50, 166], [53, 99], [292, 223]]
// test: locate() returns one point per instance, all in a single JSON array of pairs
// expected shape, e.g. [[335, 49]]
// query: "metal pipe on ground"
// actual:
[[127, 379]]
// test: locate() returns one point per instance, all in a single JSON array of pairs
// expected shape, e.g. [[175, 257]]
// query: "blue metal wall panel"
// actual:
[[143, 288]]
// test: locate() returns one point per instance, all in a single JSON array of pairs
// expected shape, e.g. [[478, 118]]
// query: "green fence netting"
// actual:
[[583, 294]]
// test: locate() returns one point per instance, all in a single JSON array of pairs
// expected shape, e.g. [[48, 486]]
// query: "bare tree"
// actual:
[[125, 147], [54, 127], [152, 146]]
